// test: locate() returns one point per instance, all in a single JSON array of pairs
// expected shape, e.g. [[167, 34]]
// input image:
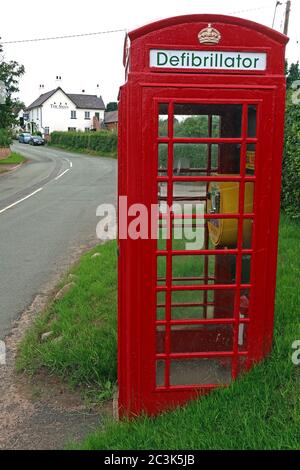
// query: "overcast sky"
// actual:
[[84, 62]]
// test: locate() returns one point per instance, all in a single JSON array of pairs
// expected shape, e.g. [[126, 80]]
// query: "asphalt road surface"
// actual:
[[47, 212]]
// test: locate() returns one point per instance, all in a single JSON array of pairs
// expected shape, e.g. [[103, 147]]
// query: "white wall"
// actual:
[[55, 113]]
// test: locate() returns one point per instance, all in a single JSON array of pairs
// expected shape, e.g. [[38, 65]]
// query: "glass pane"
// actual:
[[207, 120], [189, 191], [162, 234], [252, 118], [190, 159], [200, 371], [162, 159], [162, 195], [223, 233], [206, 159], [161, 306], [250, 159], [243, 337], [160, 373], [161, 270], [201, 338], [199, 269], [246, 269], [163, 120], [189, 233], [189, 121], [193, 305]]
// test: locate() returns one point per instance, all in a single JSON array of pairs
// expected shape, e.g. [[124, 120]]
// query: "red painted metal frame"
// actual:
[[138, 122]]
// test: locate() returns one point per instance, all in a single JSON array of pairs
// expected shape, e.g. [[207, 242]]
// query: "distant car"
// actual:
[[25, 137], [36, 140]]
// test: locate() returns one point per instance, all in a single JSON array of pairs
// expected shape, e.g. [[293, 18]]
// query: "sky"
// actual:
[[87, 61]]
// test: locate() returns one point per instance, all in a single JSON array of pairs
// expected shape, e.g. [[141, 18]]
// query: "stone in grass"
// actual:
[[95, 255], [62, 292], [46, 336], [57, 340], [72, 277]]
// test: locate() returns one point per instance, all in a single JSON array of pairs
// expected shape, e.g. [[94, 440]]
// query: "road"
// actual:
[[47, 213]]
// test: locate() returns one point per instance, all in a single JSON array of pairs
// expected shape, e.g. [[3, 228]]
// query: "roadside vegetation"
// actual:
[[81, 347], [13, 159], [101, 143], [259, 411]]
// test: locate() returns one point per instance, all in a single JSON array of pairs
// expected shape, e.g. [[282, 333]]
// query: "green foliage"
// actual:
[[13, 159], [261, 410], [290, 196], [189, 155], [104, 142], [293, 74], [112, 106], [10, 73], [83, 349], [5, 138]]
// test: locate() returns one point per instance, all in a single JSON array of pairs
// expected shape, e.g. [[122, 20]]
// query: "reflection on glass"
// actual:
[[207, 120], [163, 120], [252, 119], [162, 159]]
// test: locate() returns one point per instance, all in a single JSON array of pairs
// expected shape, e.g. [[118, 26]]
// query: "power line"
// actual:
[[250, 9], [64, 37]]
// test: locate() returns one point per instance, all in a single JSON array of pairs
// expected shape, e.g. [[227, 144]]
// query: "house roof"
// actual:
[[87, 101], [82, 101], [110, 117]]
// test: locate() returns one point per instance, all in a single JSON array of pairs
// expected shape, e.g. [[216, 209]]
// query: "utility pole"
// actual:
[[287, 17], [276, 6]]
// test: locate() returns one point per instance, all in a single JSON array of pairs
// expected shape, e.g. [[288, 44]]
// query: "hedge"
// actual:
[[290, 196], [103, 142]]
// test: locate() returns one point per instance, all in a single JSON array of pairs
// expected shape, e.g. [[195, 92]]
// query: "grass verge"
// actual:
[[259, 411], [82, 345], [13, 159]]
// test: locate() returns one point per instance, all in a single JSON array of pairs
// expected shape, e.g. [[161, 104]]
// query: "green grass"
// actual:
[[82, 348], [261, 410], [13, 159]]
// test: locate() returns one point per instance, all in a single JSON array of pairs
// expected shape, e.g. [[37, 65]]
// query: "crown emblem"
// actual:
[[209, 35]]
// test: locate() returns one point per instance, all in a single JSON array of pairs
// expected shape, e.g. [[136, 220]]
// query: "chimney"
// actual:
[[41, 89], [98, 90], [58, 81], [82, 91]]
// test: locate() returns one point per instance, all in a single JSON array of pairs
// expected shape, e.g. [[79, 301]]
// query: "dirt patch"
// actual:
[[4, 168], [41, 412]]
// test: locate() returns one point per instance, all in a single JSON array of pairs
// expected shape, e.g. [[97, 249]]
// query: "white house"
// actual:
[[57, 110]]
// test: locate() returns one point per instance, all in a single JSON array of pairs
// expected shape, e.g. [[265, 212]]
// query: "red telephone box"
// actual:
[[201, 122]]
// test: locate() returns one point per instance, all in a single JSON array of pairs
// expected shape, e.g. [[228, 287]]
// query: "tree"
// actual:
[[10, 73], [112, 106], [293, 74]]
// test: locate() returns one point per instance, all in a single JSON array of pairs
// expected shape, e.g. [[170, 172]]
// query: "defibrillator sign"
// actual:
[[204, 60]]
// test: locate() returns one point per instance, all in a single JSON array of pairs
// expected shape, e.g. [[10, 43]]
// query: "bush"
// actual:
[[104, 142], [290, 197], [5, 138]]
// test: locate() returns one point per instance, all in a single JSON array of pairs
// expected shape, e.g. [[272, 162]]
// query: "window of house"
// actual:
[[47, 130], [71, 129], [73, 114], [86, 129], [87, 115]]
